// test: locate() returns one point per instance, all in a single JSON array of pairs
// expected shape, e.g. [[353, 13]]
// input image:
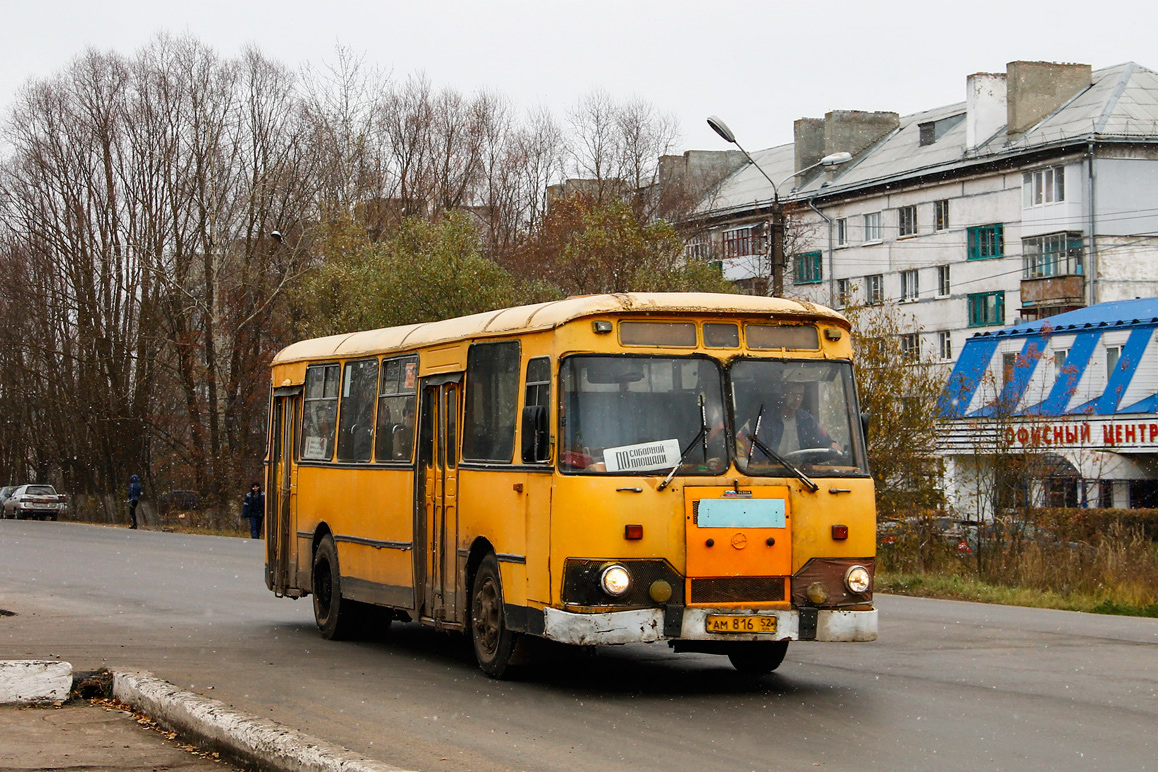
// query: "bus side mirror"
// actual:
[[535, 434], [864, 424]]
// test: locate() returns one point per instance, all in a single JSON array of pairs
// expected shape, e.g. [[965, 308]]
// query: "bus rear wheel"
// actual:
[[494, 644], [758, 658], [333, 614]]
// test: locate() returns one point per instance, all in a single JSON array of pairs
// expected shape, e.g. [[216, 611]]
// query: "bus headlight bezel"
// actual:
[[858, 580], [615, 580]]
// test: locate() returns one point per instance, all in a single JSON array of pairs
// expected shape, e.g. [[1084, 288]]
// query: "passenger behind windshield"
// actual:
[[806, 413], [787, 427]]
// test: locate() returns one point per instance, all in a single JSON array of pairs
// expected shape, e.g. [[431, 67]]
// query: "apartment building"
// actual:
[[1036, 195]]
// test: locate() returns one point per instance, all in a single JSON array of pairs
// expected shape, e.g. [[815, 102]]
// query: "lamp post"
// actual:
[[776, 231]]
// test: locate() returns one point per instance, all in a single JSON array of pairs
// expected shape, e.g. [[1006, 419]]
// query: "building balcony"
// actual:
[[1051, 295]]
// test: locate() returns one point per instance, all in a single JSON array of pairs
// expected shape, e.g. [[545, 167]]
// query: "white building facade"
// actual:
[[1035, 196]]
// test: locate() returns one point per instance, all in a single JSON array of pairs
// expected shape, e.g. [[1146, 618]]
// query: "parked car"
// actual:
[[6, 493], [34, 501]]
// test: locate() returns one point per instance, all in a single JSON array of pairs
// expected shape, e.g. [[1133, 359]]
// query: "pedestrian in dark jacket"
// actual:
[[134, 499], [254, 509]]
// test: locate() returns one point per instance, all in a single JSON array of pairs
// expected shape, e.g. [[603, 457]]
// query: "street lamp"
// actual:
[[776, 237]]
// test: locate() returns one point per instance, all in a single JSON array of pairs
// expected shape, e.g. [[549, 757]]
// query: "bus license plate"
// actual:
[[721, 623]]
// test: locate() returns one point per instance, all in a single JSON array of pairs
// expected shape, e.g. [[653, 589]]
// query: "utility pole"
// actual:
[[776, 246], [776, 232]]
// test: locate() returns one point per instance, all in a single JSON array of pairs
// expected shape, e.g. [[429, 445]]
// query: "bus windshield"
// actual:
[[642, 415], [798, 413]]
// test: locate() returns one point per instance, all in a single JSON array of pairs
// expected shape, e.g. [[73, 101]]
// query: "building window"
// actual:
[[1057, 254], [909, 286], [986, 309], [874, 289], [907, 221], [842, 232], [1059, 362], [986, 241], [1113, 354], [1008, 363], [1105, 494], [945, 344], [809, 269], [740, 242], [843, 293], [872, 227], [942, 281], [910, 346], [941, 215], [1043, 186], [696, 248]]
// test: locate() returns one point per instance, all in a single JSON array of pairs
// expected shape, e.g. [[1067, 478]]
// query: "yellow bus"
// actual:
[[606, 469]]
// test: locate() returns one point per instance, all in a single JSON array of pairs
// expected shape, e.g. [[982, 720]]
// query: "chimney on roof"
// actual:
[[985, 106], [848, 131], [808, 141], [1036, 89]]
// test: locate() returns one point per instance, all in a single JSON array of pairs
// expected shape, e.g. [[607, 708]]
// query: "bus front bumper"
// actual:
[[650, 625]]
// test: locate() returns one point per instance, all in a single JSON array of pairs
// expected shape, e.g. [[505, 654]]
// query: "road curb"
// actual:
[[26, 681], [246, 738]]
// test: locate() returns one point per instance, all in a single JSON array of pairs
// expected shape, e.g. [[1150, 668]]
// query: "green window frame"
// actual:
[[986, 241], [986, 309], [809, 268]]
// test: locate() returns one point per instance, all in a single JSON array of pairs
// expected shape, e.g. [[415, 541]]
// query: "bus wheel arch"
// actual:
[[495, 644], [333, 614]]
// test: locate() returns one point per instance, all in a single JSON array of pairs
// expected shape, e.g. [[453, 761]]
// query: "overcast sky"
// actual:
[[759, 65]]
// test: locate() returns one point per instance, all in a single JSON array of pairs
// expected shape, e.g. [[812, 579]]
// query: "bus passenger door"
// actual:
[[436, 529], [281, 571]]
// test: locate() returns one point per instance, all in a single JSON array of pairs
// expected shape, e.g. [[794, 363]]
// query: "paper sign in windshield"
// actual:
[[663, 454]]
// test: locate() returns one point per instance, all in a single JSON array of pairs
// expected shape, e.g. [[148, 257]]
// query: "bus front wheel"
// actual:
[[758, 658], [494, 643], [333, 615]]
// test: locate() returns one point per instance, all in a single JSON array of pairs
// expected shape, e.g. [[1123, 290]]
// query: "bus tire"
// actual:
[[333, 615], [758, 658], [494, 644]]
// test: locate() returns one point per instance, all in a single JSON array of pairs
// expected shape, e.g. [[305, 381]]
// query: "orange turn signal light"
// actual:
[[633, 532], [840, 532]]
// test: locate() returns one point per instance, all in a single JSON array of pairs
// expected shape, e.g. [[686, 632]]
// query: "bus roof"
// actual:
[[543, 316]]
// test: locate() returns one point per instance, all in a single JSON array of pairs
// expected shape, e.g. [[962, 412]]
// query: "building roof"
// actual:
[[1081, 387], [1115, 314], [543, 316], [1120, 104]]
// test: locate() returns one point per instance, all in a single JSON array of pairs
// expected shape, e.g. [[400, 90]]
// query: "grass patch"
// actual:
[[962, 587]]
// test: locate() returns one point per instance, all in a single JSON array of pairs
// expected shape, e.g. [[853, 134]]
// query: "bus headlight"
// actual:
[[857, 580], [615, 580]]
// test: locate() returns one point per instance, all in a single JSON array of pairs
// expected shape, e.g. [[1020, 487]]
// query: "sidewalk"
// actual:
[[163, 728], [84, 735]]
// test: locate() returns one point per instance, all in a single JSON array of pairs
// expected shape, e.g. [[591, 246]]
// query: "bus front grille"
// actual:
[[739, 589]]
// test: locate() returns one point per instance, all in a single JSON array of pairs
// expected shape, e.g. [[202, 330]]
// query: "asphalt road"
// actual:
[[948, 686]]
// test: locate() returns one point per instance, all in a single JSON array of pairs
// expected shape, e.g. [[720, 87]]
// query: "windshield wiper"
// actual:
[[755, 442], [701, 434]]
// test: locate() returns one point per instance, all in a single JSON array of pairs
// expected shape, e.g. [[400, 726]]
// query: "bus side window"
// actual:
[[356, 419], [320, 412], [537, 411], [394, 440], [492, 399]]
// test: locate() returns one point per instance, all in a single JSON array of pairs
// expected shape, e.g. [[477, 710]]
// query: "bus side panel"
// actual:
[[491, 506], [370, 514], [537, 518]]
